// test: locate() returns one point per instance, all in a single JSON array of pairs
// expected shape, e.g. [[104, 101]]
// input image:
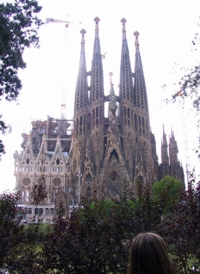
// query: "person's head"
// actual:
[[148, 255]]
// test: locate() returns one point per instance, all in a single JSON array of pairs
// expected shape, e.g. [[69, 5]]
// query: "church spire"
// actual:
[[164, 149], [126, 81], [96, 19], [112, 106], [97, 86], [81, 95], [173, 149], [140, 99]]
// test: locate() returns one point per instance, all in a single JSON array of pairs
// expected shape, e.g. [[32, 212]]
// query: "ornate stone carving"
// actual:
[[57, 182], [26, 181]]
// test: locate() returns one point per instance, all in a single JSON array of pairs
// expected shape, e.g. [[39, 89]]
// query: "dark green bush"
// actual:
[[97, 236]]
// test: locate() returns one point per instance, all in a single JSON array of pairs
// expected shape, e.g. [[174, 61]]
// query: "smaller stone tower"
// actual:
[[170, 164]]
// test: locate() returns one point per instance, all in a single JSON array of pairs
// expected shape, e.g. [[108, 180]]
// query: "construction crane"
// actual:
[[186, 143], [65, 51], [185, 135], [49, 20]]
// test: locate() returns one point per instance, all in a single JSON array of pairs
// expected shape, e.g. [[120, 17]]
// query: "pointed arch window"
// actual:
[[88, 191], [57, 161], [124, 111], [113, 175], [53, 194], [89, 122], [114, 154], [88, 179], [136, 127], [23, 195], [27, 195]]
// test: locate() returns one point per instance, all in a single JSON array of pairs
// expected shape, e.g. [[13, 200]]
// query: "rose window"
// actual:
[[57, 182], [26, 181]]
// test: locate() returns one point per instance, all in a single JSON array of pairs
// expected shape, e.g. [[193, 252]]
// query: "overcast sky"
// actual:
[[166, 29]]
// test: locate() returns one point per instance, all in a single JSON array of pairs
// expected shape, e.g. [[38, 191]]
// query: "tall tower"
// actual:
[[81, 94], [97, 102], [170, 164], [88, 144], [126, 81], [119, 148], [164, 156], [82, 124], [176, 169], [104, 153]]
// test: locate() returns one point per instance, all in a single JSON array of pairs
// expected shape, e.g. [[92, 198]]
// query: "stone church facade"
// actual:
[[100, 152]]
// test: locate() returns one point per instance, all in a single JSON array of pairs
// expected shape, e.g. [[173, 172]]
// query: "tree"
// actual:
[[18, 31], [9, 225], [189, 87], [173, 184], [168, 187], [97, 236], [189, 83], [181, 230]]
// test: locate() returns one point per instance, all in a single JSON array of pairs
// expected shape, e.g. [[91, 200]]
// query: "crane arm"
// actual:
[[48, 20]]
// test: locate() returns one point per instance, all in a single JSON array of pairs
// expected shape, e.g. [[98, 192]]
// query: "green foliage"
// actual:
[[181, 229], [168, 187], [3, 129], [9, 226], [97, 236], [45, 229], [188, 86], [174, 186], [18, 31], [95, 240], [39, 192]]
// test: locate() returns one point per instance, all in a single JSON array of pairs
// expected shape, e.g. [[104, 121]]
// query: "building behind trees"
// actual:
[[100, 154]]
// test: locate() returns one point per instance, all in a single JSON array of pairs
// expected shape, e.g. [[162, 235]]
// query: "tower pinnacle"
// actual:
[[136, 34], [96, 19], [123, 28], [97, 85], [83, 32], [126, 81], [112, 103], [81, 95], [139, 83]]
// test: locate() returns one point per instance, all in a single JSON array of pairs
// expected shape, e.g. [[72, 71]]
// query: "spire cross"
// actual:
[[136, 34], [83, 40], [82, 32], [123, 21], [96, 19]]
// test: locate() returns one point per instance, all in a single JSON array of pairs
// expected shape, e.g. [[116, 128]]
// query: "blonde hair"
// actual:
[[148, 255]]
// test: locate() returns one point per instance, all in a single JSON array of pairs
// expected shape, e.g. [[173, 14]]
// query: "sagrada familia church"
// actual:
[[109, 151]]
